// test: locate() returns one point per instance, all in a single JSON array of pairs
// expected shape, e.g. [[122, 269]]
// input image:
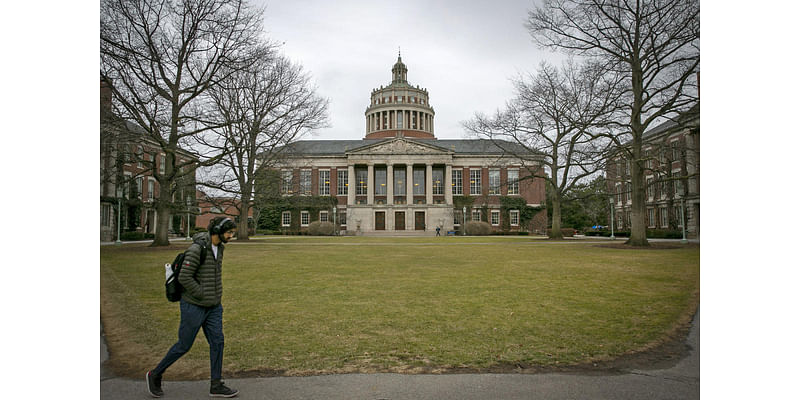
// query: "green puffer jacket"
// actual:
[[202, 285]]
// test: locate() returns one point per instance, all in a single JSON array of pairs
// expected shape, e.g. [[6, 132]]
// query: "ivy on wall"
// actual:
[[270, 214]]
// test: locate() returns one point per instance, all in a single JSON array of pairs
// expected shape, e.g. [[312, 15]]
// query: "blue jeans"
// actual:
[[193, 317]]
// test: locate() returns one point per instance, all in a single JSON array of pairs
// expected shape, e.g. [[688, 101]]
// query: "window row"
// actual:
[[305, 218], [494, 217], [399, 182]]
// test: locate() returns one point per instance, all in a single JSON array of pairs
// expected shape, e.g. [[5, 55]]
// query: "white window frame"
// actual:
[[304, 216], [513, 216], [513, 183], [494, 182], [286, 181], [324, 184], [286, 218], [341, 182], [664, 217], [651, 217], [139, 187], [105, 215], [162, 164], [475, 188], [458, 178], [458, 218], [494, 217], [323, 216], [151, 189], [476, 213], [305, 182]]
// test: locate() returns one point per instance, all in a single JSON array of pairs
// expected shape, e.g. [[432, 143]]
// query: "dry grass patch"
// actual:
[[309, 306]]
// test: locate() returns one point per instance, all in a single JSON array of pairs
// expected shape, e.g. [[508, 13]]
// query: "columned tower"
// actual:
[[399, 109]]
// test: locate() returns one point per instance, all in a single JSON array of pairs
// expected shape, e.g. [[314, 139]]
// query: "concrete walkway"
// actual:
[[681, 381]]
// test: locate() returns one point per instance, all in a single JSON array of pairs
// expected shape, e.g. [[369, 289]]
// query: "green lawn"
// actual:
[[299, 305]]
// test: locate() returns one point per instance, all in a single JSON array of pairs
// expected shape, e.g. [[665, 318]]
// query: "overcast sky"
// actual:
[[463, 52]]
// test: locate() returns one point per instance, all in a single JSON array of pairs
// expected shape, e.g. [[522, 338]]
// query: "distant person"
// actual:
[[438, 231], [201, 306]]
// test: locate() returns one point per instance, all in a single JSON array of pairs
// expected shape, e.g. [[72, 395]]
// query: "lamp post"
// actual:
[[335, 225], [464, 221], [683, 220], [188, 214], [119, 214], [612, 217]]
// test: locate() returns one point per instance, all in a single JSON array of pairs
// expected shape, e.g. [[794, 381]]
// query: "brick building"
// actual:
[[401, 178], [129, 162], [671, 153]]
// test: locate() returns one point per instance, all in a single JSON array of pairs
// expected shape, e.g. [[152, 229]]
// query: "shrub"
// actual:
[[130, 236], [317, 228], [565, 232], [478, 228]]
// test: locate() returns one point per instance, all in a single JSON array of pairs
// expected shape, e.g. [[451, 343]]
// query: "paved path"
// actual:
[[681, 381]]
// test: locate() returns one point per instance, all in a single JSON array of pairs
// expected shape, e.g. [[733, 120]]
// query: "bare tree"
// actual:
[[654, 43], [262, 109], [161, 57], [556, 118]]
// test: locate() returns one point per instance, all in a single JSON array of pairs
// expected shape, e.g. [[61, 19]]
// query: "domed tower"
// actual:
[[399, 109]]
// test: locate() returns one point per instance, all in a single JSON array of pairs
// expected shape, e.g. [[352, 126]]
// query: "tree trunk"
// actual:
[[242, 229], [638, 228], [163, 215], [555, 228]]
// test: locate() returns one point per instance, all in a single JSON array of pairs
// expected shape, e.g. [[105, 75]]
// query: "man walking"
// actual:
[[201, 305]]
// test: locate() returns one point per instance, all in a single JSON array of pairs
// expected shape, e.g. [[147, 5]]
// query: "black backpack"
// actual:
[[174, 288]]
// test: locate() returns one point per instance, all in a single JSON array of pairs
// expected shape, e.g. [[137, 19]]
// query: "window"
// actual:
[[514, 217], [286, 182], [151, 189], [139, 156], [105, 214], [162, 161], [648, 162], [475, 181], [513, 181], [619, 193], [494, 181], [476, 215], [341, 182], [305, 182], [380, 181], [650, 188], [664, 217], [400, 120], [678, 215], [343, 218], [361, 181], [495, 217], [678, 184], [399, 181], [651, 217], [457, 217], [324, 183], [286, 218], [629, 191], [139, 187], [419, 181], [676, 151], [323, 216], [303, 218], [457, 186], [438, 181]]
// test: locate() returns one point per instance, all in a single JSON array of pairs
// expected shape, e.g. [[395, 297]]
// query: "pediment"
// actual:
[[399, 146]]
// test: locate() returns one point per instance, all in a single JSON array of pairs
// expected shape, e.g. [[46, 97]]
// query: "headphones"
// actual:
[[216, 229]]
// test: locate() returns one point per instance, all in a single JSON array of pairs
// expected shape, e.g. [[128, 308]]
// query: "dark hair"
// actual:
[[220, 225]]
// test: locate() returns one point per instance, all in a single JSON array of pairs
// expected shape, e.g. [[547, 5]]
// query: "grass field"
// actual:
[[300, 305]]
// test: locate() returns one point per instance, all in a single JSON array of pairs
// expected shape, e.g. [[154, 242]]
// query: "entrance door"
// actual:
[[419, 220], [400, 220], [380, 221]]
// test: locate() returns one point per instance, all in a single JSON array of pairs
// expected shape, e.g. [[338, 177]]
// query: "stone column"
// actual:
[[370, 184], [351, 182], [448, 184], [409, 183], [389, 184], [428, 183]]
